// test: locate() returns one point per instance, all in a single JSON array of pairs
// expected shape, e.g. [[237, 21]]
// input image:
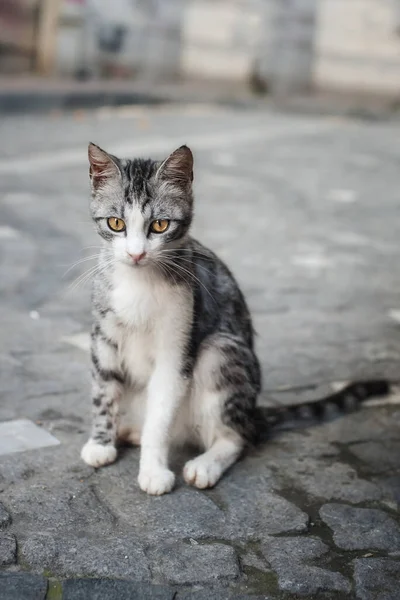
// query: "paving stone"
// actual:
[[317, 470], [190, 564], [335, 481], [355, 428], [251, 559], [8, 549], [361, 528], [5, 517], [22, 586], [255, 512], [40, 551], [377, 578], [290, 558], [102, 589], [379, 456], [73, 504], [68, 555], [185, 513], [218, 594], [392, 485], [22, 434]]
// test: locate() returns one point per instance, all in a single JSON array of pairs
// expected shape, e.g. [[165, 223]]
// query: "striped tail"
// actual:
[[344, 401]]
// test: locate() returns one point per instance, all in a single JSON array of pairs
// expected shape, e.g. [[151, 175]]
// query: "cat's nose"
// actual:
[[136, 258]]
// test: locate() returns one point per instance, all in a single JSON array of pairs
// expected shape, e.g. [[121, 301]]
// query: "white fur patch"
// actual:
[[202, 472], [205, 470], [156, 481], [98, 455]]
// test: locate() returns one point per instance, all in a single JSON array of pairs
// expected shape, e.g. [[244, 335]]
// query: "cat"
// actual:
[[172, 343]]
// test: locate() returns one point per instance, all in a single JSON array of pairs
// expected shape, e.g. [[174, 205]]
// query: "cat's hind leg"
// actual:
[[226, 383], [206, 469]]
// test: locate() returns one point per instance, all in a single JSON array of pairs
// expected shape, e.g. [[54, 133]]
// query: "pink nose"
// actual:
[[137, 257]]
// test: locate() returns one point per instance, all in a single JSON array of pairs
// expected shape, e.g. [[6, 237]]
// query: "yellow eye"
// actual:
[[159, 226], [116, 224]]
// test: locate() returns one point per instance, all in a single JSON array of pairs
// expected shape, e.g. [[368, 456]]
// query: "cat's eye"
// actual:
[[159, 226], [116, 224]]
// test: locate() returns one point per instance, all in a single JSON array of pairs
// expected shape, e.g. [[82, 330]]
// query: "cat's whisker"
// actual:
[[84, 277], [79, 280], [99, 247], [190, 262], [164, 270], [193, 276], [169, 270], [105, 252], [191, 251], [80, 261]]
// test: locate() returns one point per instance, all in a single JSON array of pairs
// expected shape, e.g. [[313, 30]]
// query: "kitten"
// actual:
[[173, 357]]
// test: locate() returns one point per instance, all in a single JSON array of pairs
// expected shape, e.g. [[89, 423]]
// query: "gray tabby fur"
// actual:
[[172, 339], [173, 358]]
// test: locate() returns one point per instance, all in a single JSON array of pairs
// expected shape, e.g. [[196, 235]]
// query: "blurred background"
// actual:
[[275, 46]]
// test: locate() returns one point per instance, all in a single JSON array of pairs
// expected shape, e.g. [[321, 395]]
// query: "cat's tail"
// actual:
[[343, 401]]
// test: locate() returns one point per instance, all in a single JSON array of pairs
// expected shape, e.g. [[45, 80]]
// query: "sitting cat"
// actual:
[[173, 357]]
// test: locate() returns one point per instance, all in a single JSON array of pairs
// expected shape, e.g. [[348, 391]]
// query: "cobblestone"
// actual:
[[290, 558], [320, 275], [101, 589], [193, 564], [361, 528], [18, 586], [5, 517], [377, 578], [8, 549], [67, 555]]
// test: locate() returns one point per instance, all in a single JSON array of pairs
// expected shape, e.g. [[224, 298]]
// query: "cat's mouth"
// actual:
[[135, 264]]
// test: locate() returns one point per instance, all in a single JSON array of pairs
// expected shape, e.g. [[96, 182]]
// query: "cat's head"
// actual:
[[142, 208]]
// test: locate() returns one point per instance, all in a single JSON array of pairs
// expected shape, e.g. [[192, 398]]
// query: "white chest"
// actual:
[[136, 300], [145, 309]]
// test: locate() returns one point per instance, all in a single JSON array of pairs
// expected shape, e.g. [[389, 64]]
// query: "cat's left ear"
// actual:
[[103, 166], [178, 167]]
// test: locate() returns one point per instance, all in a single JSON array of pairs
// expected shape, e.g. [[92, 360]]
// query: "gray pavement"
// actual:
[[306, 213]]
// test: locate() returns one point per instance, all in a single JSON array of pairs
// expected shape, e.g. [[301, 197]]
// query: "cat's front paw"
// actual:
[[156, 481], [202, 472], [97, 455]]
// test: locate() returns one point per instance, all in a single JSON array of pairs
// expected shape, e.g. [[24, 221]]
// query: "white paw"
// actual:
[[98, 455], [201, 472], [156, 481]]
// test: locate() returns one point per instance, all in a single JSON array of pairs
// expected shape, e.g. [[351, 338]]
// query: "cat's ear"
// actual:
[[178, 167], [103, 166]]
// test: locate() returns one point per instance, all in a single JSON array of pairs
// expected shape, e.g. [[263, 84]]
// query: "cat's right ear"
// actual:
[[103, 166]]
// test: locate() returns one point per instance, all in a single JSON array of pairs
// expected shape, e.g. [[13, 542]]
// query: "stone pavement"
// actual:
[[306, 212]]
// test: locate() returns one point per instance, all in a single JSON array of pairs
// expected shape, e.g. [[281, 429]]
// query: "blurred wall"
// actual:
[[281, 45], [17, 35], [121, 37], [221, 38], [357, 45]]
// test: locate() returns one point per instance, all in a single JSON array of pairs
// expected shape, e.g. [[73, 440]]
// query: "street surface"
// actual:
[[306, 213]]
